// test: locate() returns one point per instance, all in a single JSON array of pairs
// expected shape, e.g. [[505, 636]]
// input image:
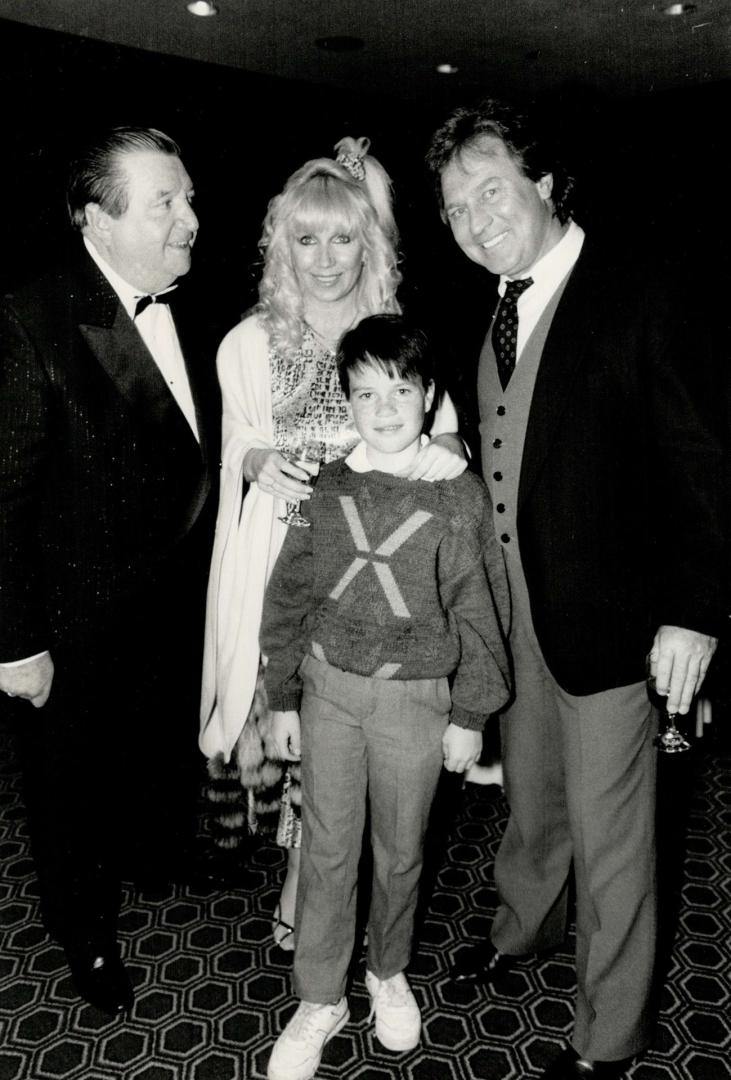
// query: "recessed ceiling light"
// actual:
[[447, 69], [202, 7], [679, 9]]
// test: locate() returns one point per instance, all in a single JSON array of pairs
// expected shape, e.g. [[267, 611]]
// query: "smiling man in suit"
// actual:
[[602, 467], [108, 428]]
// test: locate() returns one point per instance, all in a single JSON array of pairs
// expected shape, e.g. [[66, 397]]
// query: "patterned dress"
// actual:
[[307, 403]]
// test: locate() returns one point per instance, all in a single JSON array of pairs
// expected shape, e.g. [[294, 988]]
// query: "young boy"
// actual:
[[371, 614]]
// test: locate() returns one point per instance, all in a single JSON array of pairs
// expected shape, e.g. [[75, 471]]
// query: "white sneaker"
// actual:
[[398, 1020], [297, 1051]]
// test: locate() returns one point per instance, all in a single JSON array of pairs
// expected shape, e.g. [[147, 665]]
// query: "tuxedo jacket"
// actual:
[[621, 516], [101, 477]]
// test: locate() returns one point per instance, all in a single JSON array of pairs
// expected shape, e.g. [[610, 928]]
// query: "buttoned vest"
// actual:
[[503, 424]]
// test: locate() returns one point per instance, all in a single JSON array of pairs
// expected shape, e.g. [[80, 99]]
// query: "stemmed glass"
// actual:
[[306, 454], [671, 741]]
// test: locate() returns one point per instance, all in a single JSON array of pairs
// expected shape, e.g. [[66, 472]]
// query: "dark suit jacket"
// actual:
[[620, 501], [101, 478]]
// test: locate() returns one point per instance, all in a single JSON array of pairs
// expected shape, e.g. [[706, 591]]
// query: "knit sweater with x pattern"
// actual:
[[395, 579]]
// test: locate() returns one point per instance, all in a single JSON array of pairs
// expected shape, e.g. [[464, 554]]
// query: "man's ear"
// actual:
[[97, 221], [544, 186]]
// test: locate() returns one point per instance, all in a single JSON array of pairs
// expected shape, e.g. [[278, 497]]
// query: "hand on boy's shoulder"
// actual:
[[440, 458]]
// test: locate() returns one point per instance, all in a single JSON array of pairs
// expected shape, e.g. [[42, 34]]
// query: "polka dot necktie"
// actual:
[[505, 328]]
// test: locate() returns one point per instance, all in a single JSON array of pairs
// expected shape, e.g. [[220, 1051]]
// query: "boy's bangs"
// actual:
[[324, 205], [396, 367]]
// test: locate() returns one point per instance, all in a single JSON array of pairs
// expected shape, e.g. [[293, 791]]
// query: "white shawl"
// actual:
[[248, 540]]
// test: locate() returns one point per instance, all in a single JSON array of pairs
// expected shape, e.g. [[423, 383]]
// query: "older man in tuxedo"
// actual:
[[603, 468], [108, 427]]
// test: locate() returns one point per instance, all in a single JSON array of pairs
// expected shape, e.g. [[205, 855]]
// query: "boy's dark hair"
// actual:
[[402, 350]]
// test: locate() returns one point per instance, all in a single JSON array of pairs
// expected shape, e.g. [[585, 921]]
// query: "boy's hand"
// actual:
[[286, 734], [461, 747]]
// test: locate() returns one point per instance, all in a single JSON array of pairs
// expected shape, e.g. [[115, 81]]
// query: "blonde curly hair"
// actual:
[[324, 194]]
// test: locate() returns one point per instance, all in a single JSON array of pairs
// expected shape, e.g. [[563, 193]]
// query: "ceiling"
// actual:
[[507, 47]]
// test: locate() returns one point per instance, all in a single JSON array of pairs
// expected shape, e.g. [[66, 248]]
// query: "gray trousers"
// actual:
[[580, 783], [375, 740]]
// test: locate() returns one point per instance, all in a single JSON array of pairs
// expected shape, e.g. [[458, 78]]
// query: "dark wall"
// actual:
[[652, 172], [241, 136]]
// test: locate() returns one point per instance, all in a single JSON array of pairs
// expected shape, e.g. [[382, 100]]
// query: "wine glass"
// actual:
[[671, 741], [306, 454]]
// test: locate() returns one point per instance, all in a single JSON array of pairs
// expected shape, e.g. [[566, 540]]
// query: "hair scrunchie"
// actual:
[[350, 153]]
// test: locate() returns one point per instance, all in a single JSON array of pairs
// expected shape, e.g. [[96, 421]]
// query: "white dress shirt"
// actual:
[[157, 329], [547, 274]]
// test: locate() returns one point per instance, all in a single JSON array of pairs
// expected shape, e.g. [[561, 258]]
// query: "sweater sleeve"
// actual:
[[287, 603], [473, 588]]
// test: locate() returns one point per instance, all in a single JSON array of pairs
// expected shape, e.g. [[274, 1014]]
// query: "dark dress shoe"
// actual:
[[100, 977], [569, 1066], [482, 963]]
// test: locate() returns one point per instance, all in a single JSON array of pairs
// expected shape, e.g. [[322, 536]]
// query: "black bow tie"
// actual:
[[145, 301]]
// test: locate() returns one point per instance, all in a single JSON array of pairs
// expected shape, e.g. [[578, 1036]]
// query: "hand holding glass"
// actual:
[[671, 741], [305, 455]]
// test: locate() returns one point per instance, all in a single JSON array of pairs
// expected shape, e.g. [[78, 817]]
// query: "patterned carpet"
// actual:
[[212, 991]]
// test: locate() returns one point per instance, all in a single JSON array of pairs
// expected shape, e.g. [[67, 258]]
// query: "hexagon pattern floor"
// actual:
[[212, 991]]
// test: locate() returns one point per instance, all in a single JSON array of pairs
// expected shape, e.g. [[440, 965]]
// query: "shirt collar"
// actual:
[[357, 459], [553, 267], [128, 294]]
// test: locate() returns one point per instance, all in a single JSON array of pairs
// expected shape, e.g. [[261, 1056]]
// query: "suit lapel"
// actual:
[[118, 348], [563, 354]]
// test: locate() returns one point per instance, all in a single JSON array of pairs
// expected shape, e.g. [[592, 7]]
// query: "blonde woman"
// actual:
[[329, 248]]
